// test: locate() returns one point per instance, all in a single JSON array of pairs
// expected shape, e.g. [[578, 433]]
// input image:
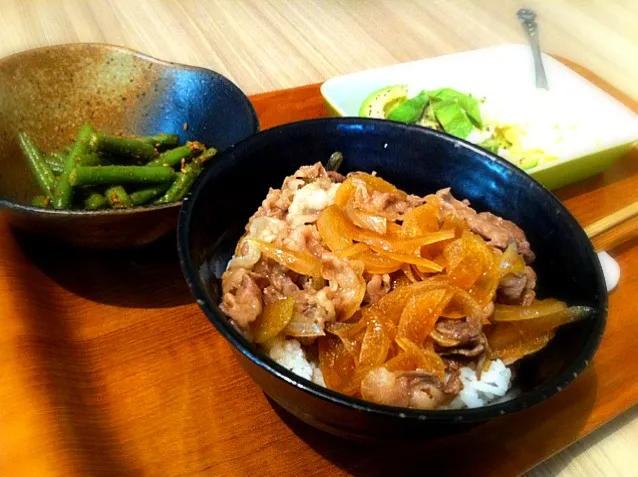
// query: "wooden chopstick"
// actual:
[[612, 220]]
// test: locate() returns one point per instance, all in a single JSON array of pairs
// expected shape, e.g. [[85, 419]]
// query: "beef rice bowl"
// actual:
[[394, 298]]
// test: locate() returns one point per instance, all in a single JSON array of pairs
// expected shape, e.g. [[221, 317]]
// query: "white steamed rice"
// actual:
[[493, 385], [291, 355]]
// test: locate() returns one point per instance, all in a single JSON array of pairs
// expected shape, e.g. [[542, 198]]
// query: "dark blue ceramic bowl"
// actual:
[[49, 92], [420, 161]]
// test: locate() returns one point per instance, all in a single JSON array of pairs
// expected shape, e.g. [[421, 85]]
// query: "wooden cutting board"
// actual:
[[108, 368]]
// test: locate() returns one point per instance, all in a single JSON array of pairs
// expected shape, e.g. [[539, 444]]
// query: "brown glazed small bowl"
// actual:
[[49, 92]]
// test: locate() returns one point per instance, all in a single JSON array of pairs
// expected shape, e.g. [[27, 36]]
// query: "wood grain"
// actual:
[[611, 221], [266, 45], [98, 380]]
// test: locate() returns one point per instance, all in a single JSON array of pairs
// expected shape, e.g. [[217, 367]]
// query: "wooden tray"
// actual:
[[108, 368]]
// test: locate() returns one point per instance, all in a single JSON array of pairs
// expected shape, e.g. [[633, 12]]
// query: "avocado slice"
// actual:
[[410, 111], [380, 103]]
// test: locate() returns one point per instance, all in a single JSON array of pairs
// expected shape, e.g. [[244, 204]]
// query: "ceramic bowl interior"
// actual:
[[420, 161], [49, 92]]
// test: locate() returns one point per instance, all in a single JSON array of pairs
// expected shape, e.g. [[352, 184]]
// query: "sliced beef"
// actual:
[[415, 201], [281, 279], [486, 313], [242, 298], [305, 239], [312, 172], [413, 389], [266, 228], [517, 288], [452, 384], [271, 295], [275, 205], [463, 331], [391, 205], [428, 392], [384, 387], [386, 203], [336, 177], [317, 307], [275, 282], [278, 201], [345, 282], [425, 395], [470, 352], [378, 286], [499, 232]]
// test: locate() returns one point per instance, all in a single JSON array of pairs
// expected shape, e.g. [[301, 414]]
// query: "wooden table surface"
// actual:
[[266, 45]]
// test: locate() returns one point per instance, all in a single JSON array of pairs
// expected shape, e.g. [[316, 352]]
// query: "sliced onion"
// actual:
[[424, 263], [427, 361], [353, 289], [347, 330], [375, 223], [509, 345], [394, 229], [299, 262], [336, 363], [248, 259], [345, 192], [353, 250], [334, 228], [421, 313], [375, 183], [422, 219], [441, 340], [401, 362], [351, 336], [272, 320], [407, 246], [538, 309], [510, 261], [302, 326], [377, 264], [407, 269], [374, 346]]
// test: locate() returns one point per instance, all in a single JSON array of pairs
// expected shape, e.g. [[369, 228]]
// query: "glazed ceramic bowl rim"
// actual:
[[29, 209], [221, 323]]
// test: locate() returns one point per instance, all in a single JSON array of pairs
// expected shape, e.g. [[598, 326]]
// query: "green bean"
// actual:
[[118, 198], [162, 140], [90, 159], [185, 179], [55, 161], [41, 201], [117, 146], [86, 168], [41, 171], [174, 156], [334, 162], [144, 196], [180, 185], [120, 175], [63, 191], [206, 156], [95, 201]]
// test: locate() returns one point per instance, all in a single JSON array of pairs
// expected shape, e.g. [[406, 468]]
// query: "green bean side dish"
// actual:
[[100, 171]]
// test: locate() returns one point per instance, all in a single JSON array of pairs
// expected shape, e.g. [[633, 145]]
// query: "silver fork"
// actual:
[[527, 18]]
